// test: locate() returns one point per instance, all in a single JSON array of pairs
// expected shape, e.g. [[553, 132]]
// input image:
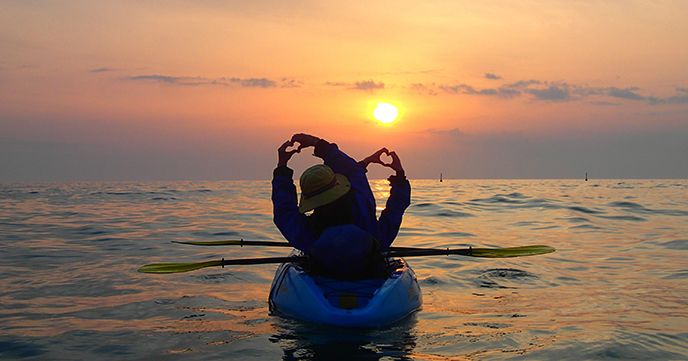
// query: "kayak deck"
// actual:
[[348, 294], [373, 302]]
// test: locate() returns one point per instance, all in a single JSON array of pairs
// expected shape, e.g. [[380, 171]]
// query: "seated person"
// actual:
[[342, 234]]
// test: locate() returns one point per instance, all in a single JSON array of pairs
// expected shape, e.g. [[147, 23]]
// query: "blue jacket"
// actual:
[[300, 233]]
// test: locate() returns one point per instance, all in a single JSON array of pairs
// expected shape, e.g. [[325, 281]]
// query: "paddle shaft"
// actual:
[[267, 260], [239, 243], [416, 251], [242, 243]]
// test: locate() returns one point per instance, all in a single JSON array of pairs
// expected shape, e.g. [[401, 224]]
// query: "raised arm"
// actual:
[[399, 199], [286, 215]]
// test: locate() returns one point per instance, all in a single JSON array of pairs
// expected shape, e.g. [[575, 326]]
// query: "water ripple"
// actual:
[[677, 244]]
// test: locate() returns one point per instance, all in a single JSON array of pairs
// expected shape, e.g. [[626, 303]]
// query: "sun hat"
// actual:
[[320, 185]]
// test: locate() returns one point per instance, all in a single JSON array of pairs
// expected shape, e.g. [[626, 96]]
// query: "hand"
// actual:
[[375, 157], [304, 140], [396, 163], [283, 155]]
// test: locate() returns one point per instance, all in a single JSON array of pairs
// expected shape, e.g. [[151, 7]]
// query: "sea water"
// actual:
[[616, 288]]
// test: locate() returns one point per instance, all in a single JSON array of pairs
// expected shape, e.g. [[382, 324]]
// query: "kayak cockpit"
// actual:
[[350, 294]]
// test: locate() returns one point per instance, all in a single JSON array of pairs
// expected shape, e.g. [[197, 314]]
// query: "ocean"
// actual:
[[615, 289]]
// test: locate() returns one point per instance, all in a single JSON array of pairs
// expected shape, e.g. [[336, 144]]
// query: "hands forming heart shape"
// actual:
[[385, 158], [293, 147], [300, 141], [286, 151], [377, 157]]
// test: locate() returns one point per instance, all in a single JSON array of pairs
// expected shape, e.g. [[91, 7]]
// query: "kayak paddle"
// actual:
[[404, 252], [476, 252], [242, 242]]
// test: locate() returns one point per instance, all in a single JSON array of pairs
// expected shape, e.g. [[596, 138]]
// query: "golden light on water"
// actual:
[[385, 112]]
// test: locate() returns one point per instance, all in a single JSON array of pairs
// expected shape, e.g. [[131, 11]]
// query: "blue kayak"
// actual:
[[374, 302]]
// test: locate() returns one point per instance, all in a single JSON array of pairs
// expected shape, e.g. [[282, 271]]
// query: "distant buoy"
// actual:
[[586, 176], [440, 177]]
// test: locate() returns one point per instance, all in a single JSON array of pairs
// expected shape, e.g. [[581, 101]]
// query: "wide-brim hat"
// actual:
[[320, 186]]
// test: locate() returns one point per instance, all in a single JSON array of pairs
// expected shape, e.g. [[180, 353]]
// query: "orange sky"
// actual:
[[211, 78]]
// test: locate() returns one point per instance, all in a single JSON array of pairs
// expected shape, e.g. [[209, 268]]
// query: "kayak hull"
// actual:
[[368, 303]]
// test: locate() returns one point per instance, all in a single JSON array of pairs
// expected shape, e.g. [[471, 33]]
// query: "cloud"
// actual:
[[368, 85], [423, 89], [539, 90], [334, 83], [290, 83], [586, 91], [502, 92], [222, 81], [160, 78], [627, 93], [553, 93], [365, 85], [680, 96], [524, 83], [508, 92], [253, 82], [101, 70], [458, 89]]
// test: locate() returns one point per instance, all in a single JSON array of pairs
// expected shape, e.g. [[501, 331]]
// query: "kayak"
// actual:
[[369, 303]]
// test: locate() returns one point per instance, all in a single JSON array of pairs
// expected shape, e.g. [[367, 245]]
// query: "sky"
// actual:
[[207, 90]]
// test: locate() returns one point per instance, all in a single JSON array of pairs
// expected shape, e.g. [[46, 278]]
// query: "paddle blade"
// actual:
[[473, 252], [177, 267], [510, 251], [187, 267]]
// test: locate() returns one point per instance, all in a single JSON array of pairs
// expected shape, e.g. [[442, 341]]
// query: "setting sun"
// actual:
[[385, 112]]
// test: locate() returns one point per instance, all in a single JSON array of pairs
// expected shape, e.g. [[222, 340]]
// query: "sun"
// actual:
[[385, 112]]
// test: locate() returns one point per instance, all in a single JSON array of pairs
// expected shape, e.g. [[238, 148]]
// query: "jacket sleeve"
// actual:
[[291, 223], [341, 163], [391, 217]]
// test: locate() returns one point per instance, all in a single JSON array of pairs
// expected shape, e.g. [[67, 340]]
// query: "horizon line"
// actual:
[[7, 182]]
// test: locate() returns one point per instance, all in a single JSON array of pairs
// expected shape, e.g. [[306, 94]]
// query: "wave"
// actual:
[[638, 208], [676, 244]]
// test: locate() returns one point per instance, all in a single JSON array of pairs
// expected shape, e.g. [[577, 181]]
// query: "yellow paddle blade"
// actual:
[[473, 252], [510, 251], [177, 267], [186, 267]]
